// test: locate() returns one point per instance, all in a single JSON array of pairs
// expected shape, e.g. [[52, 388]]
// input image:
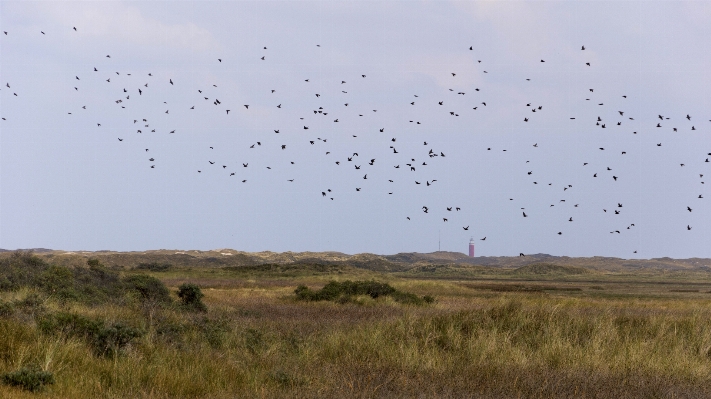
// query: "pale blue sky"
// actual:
[[66, 183]]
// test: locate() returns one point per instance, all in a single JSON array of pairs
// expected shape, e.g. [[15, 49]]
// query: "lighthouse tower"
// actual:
[[471, 247]]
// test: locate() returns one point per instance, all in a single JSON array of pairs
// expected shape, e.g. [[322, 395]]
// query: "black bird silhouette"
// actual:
[[524, 215]]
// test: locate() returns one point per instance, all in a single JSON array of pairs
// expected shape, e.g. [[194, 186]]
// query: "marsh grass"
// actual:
[[257, 340]]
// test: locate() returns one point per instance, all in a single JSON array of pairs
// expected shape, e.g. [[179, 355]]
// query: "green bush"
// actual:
[[71, 325], [191, 297], [30, 378], [22, 269], [32, 304], [110, 340], [92, 284], [407, 298], [170, 332], [105, 340], [343, 292], [97, 284], [154, 266], [58, 281], [304, 293], [7, 309], [214, 331], [149, 289]]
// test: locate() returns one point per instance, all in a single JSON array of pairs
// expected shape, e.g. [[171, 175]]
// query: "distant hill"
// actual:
[[529, 264]]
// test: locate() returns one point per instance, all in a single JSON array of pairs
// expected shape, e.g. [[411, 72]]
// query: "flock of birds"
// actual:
[[411, 167]]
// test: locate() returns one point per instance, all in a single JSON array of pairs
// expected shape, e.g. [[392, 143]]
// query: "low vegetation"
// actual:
[[347, 291], [547, 268], [100, 332], [154, 266], [30, 378]]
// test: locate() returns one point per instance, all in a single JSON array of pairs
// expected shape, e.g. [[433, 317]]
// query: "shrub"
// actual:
[[7, 309], [110, 340], [58, 281], [70, 324], [214, 331], [5, 283], [191, 296], [304, 293], [98, 277], [30, 378], [407, 298], [150, 289], [154, 266], [32, 304], [343, 292], [105, 340], [170, 332], [22, 269], [94, 284]]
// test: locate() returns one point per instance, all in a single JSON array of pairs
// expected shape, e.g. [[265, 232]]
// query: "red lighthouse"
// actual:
[[471, 247]]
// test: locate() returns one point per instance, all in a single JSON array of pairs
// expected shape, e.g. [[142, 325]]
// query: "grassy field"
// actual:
[[531, 334]]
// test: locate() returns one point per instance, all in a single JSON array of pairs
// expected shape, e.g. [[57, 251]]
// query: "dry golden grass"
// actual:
[[475, 341]]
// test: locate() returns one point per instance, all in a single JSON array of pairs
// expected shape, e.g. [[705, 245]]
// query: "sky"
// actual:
[[76, 173]]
